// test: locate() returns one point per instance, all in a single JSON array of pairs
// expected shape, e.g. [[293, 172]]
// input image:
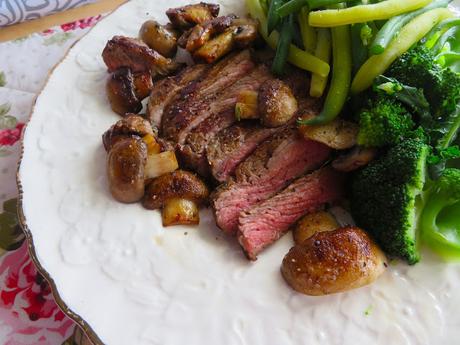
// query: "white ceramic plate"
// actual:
[[133, 282]]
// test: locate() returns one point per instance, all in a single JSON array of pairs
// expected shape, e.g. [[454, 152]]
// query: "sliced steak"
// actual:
[[193, 152], [165, 90], [195, 102], [278, 161], [233, 145], [265, 223], [123, 51]]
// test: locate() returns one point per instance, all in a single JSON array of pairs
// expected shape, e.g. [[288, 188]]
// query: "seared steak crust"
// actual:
[[194, 103], [278, 161], [165, 90], [266, 222], [193, 153]]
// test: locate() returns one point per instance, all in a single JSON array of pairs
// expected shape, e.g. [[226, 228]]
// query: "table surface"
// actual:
[[28, 313]]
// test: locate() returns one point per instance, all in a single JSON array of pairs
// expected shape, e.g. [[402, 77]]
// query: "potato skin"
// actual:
[[277, 104], [159, 38], [178, 184], [333, 261], [125, 169]]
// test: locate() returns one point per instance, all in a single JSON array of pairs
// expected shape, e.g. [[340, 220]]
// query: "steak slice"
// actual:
[[278, 161], [193, 153], [233, 145], [195, 102], [123, 51], [165, 90], [265, 223]]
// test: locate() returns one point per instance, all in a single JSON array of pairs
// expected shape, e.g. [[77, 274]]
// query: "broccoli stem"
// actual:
[[364, 13]]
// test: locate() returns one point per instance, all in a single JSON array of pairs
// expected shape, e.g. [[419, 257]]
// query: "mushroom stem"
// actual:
[[177, 211]]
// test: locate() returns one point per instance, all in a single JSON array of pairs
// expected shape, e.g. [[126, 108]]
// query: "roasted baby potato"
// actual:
[[337, 134], [177, 211], [277, 104], [313, 223], [333, 261], [159, 37], [160, 164], [357, 158], [190, 15], [179, 194], [125, 169], [130, 125]]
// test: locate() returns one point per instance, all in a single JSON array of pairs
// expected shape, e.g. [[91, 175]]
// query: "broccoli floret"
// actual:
[[439, 223], [386, 197], [384, 122]]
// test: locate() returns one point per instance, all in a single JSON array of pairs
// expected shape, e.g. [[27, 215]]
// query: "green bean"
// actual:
[[445, 37], [290, 7], [308, 33], [364, 13], [359, 51], [341, 77], [284, 42], [392, 26], [410, 34], [435, 33], [273, 19], [323, 52], [296, 56]]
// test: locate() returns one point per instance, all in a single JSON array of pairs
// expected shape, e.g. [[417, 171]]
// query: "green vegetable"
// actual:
[[386, 198], [296, 56], [410, 34], [341, 77], [308, 33], [384, 122], [440, 222], [323, 52], [364, 13], [273, 19], [295, 6], [282, 49], [359, 51], [392, 27]]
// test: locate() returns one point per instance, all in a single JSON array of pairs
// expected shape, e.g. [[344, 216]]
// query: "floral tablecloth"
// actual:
[[28, 313]]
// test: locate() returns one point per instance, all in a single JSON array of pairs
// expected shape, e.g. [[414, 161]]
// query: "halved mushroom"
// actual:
[[126, 91], [357, 158], [130, 125], [161, 38], [246, 31], [190, 15], [216, 48], [333, 261], [125, 169], [179, 194], [277, 104], [313, 223], [123, 51], [337, 134]]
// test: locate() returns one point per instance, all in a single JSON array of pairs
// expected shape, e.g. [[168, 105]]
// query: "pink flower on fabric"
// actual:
[[9, 137], [28, 312], [81, 24]]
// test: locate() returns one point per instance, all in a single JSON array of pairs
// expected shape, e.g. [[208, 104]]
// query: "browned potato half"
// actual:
[[333, 261], [190, 15], [337, 134], [216, 48], [160, 164], [130, 125], [121, 93], [178, 184], [357, 158], [313, 223], [177, 211], [159, 38], [277, 104], [125, 170]]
